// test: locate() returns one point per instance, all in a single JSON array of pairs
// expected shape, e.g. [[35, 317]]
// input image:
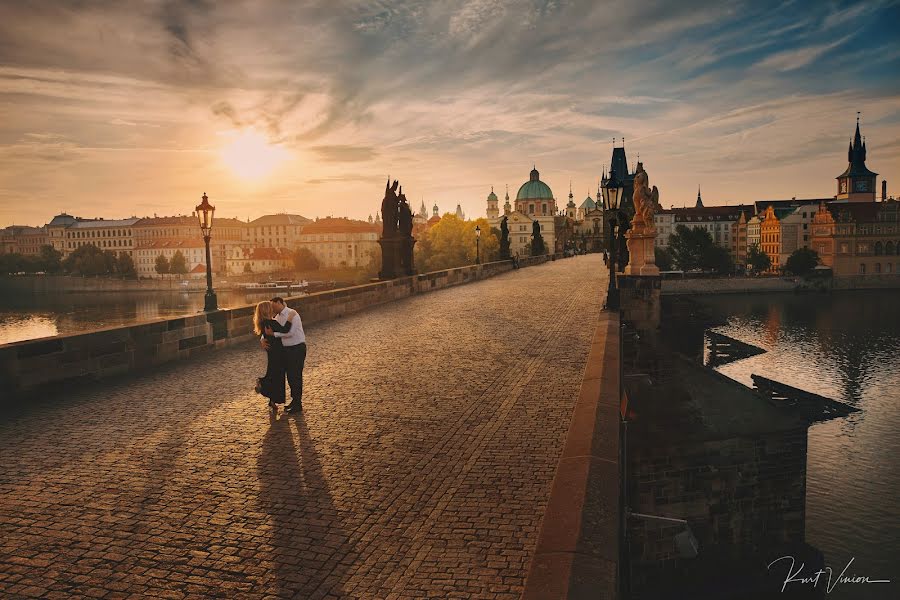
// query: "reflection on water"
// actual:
[[843, 346], [30, 316]]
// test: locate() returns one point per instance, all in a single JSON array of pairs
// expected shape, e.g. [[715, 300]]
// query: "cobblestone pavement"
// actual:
[[420, 466]]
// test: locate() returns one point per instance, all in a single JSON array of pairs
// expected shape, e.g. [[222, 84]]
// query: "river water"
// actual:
[[845, 346], [30, 316]]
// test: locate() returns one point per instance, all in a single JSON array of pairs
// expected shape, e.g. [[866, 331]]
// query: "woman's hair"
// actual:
[[263, 312]]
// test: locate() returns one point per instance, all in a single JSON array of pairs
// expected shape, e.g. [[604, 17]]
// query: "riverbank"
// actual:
[[53, 284], [765, 285]]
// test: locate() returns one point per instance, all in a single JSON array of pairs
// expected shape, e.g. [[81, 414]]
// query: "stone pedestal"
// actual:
[[504, 250], [391, 258], [641, 252], [407, 257], [639, 299]]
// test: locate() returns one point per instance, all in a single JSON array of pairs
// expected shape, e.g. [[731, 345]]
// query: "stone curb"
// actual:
[[577, 553]]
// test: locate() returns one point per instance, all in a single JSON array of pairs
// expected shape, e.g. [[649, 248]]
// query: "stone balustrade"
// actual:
[[32, 366]]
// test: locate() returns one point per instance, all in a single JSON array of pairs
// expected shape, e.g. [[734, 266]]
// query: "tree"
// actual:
[[718, 259], [688, 245], [758, 260], [88, 261], [125, 265], [663, 259], [450, 243], [51, 259], [802, 261], [305, 260], [162, 264], [178, 265], [11, 263]]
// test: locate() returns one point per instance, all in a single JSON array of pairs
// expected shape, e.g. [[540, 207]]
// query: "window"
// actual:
[[862, 268]]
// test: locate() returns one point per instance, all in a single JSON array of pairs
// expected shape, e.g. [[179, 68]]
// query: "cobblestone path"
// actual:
[[420, 466]]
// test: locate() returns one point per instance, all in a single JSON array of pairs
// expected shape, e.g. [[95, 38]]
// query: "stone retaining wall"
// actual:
[[31, 366], [577, 553], [745, 285]]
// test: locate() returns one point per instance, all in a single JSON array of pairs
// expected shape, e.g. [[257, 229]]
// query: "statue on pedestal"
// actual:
[[504, 239], [641, 237], [389, 209], [396, 239], [646, 201], [405, 224]]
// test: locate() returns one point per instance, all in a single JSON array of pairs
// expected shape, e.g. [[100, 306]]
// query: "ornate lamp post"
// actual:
[[205, 212], [612, 192], [477, 245]]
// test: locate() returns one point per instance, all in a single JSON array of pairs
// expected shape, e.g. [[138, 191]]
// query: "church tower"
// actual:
[[699, 199], [857, 182], [493, 211], [434, 211], [507, 207], [570, 207]]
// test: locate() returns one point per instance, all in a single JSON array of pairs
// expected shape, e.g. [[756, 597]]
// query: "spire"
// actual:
[[699, 200], [507, 193], [570, 190]]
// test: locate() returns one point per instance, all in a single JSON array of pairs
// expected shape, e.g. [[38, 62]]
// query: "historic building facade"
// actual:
[[116, 235], [534, 202], [341, 242], [275, 231]]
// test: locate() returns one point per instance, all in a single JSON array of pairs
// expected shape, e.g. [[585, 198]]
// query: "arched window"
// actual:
[[889, 248], [879, 249]]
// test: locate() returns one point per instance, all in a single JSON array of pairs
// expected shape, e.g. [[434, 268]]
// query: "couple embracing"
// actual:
[[281, 336]]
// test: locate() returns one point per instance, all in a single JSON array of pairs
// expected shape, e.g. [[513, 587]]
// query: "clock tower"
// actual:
[[857, 183]]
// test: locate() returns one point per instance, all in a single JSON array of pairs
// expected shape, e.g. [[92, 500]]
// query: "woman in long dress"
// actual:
[[271, 385]]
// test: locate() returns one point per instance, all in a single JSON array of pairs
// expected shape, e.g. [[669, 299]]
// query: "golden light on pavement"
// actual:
[[250, 155]]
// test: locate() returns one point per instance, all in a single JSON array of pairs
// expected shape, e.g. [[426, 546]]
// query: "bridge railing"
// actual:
[[577, 553], [33, 366]]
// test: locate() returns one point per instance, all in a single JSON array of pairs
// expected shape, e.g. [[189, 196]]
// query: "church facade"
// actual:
[[534, 202]]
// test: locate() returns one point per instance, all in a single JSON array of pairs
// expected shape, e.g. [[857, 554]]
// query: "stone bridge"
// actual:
[[421, 465]]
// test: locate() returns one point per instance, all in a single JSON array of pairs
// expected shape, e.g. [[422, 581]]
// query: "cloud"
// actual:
[[345, 153], [790, 60]]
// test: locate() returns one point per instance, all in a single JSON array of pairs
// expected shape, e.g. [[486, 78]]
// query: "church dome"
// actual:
[[534, 189], [492, 197]]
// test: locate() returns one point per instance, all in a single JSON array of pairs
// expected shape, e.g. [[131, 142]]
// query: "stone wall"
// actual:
[[31, 366], [577, 552], [739, 496], [744, 285]]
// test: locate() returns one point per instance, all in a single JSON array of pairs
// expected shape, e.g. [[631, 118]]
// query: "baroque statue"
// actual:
[[390, 209], [646, 201]]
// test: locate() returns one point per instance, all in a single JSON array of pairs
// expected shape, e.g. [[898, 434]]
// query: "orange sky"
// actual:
[[113, 110]]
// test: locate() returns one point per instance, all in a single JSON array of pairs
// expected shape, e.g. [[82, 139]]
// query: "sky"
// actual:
[[137, 107]]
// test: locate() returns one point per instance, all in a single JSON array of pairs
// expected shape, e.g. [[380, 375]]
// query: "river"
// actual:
[[844, 346], [30, 316]]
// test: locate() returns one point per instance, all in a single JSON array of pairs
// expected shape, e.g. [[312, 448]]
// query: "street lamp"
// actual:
[[612, 192], [477, 245], [205, 212]]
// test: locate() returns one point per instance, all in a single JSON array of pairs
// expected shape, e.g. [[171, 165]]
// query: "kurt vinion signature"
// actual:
[[795, 577]]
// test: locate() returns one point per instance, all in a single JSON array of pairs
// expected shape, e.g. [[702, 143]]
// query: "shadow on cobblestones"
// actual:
[[309, 545]]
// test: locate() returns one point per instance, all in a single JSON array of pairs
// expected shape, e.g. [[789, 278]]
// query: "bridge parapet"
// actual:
[[577, 554], [34, 366]]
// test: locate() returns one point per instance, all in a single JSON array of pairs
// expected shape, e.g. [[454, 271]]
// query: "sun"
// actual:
[[249, 154]]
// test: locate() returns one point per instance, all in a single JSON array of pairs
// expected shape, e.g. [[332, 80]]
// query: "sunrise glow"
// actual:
[[250, 155]]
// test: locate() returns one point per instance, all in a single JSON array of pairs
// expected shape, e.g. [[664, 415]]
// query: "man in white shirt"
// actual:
[[294, 343]]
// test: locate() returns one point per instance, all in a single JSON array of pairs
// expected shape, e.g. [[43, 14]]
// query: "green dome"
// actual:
[[492, 196], [534, 189]]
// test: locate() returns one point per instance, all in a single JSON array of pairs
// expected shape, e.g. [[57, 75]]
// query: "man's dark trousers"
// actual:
[[294, 359]]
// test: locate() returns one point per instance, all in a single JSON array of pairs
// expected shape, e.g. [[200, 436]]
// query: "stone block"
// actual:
[[192, 342]]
